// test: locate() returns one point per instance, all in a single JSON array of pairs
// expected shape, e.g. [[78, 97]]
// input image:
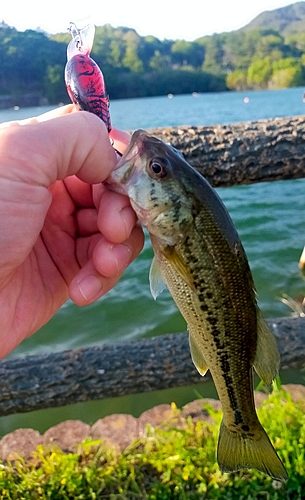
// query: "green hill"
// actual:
[[268, 53], [286, 20]]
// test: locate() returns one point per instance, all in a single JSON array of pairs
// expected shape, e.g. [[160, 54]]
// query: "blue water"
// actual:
[[202, 109], [206, 109], [269, 217]]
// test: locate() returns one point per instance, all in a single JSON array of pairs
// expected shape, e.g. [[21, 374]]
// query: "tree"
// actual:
[[287, 73], [149, 48], [237, 80], [131, 59], [241, 48], [214, 53], [259, 73], [117, 50], [187, 53], [159, 62], [31, 61], [54, 87], [269, 43]]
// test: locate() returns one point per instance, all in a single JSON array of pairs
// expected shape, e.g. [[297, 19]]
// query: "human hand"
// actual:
[[62, 233]]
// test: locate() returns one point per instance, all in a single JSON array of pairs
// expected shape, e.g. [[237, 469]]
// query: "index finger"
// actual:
[[53, 113]]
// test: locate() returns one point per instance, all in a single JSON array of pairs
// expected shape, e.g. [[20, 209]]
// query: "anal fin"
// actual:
[[197, 354]]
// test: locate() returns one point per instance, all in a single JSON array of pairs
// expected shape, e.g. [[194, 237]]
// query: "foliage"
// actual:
[[268, 53], [25, 57], [260, 72], [171, 464]]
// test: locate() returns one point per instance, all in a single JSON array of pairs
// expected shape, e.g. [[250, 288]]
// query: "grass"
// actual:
[[168, 464]]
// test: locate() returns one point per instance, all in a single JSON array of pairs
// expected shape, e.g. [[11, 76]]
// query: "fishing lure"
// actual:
[[84, 79]]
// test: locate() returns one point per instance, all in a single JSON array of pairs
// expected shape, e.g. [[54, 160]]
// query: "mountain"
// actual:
[[286, 20]]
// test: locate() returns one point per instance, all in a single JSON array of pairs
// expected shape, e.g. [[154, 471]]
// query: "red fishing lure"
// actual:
[[84, 79]]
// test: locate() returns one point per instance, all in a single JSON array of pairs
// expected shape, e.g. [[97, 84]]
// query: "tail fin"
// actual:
[[238, 450]]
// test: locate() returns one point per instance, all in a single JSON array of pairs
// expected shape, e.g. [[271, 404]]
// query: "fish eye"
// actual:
[[157, 169]]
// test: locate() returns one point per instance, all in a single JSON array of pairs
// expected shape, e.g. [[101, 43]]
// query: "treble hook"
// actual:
[[76, 35]]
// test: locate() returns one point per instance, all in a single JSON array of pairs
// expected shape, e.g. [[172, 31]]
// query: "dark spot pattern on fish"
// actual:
[[206, 270], [225, 371], [207, 305], [176, 213], [238, 418], [204, 307], [152, 194], [212, 321]]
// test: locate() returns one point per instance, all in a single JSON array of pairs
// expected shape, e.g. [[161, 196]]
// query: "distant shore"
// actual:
[[26, 100]]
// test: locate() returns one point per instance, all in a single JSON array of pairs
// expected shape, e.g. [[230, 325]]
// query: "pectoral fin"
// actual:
[[197, 355], [156, 281], [179, 265], [267, 359]]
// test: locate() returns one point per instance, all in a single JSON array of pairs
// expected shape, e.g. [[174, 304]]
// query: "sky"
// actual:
[[165, 19]]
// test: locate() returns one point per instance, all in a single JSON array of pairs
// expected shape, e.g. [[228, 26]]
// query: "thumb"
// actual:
[[50, 150]]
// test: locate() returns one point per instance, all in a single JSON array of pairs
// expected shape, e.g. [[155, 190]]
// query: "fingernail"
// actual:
[[122, 255], [90, 287]]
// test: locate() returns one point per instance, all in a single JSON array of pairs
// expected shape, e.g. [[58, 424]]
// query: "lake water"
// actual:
[[268, 216]]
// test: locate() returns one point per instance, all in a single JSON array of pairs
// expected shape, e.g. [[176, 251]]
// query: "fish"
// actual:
[[199, 256], [84, 79]]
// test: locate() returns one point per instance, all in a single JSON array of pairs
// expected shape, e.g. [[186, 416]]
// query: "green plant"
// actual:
[[176, 464]]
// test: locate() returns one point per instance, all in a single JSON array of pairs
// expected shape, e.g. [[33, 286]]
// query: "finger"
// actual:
[[84, 248], [116, 218], [87, 221], [53, 113], [120, 139], [111, 259], [72, 144], [79, 191], [4, 125], [105, 268], [90, 285]]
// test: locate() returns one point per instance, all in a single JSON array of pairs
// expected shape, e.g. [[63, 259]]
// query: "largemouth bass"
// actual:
[[200, 257]]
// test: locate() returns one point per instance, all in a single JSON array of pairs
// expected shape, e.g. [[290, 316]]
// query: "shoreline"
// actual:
[[120, 430]]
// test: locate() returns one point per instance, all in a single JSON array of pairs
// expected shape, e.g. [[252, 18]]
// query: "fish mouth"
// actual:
[[113, 185], [124, 171], [129, 156], [133, 150], [118, 179]]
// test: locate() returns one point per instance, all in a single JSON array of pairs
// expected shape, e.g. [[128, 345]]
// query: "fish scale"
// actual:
[[199, 255], [213, 331]]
